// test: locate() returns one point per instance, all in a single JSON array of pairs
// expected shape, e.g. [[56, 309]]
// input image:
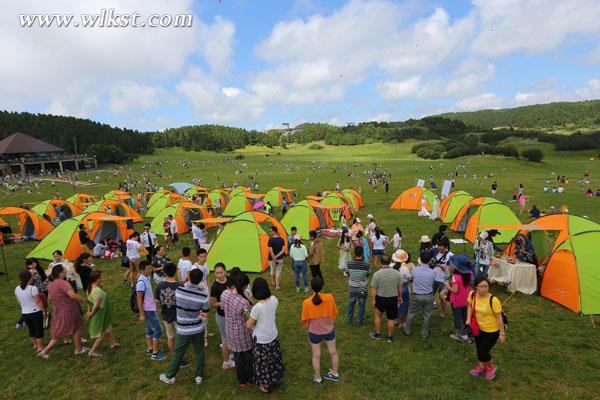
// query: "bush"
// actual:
[[430, 151], [508, 151], [533, 155], [239, 157], [316, 146]]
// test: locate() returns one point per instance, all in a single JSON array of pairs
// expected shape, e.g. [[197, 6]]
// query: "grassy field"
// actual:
[[550, 352]]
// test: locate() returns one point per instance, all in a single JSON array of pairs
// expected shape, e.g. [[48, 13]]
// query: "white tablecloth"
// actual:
[[521, 277]]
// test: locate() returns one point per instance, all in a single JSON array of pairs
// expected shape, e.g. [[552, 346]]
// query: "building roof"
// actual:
[[19, 143]]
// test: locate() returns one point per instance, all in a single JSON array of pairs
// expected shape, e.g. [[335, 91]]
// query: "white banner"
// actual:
[[446, 189]]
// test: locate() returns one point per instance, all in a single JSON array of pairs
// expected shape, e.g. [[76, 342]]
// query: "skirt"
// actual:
[[268, 363]]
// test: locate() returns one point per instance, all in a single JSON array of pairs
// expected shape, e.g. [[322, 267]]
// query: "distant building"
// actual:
[[25, 154]]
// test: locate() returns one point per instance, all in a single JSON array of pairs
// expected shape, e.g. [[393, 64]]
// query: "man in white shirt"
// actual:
[[184, 266], [201, 256], [148, 239], [198, 234], [133, 247]]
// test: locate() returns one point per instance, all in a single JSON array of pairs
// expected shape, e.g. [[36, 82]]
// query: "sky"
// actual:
[[260, 63]]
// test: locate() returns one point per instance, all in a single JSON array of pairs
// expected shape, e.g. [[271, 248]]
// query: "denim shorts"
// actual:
[[153, 328], [317, 339], [378, 252]]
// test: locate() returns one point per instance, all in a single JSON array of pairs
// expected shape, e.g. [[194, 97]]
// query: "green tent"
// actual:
[[273, 196], [161, 203], [236, 191], [237, 205], [155, 196], [333, 199], [452, 204], [216, 194], [350, 196], [302, 217], [64, 237], [183, 214], [486, 211]]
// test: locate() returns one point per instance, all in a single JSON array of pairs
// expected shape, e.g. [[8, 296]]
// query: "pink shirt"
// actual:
[[459, 299]]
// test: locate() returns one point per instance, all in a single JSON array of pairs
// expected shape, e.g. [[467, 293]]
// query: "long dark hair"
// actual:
[[56, 271], [316, 284], [38, 267], [466, 278], [80, 260], [94, 277], [24, 277], [377, 233], [239, 281], [399, 231]]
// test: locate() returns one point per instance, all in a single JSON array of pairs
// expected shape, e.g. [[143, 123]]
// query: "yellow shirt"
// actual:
[[486, 318]]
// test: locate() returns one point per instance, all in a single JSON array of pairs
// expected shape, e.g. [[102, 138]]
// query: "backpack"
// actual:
[[133, 299]]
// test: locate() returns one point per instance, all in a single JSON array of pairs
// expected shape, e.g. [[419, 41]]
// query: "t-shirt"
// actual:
[[358, 271], [84, 275], [133, 249], [165, 294], [198, 234], [486, 318], [405, 273], [205, 272], [26, 299], [459, 299], [83, 237], [215, 291], [423, 278], [160, 262], [386, 281], [173, 227], [484, 252], [190, 301], [397, 239], [144, 285], [265, 330], [320, 326], [276, 243], [379, 244], [299, 253], [184, 266]]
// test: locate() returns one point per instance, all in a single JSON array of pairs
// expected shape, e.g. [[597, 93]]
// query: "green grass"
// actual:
[[550, 352]]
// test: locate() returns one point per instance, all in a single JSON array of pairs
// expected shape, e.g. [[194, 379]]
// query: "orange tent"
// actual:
[[82, 200], [411, 199], [485, 211], [115, 207], [31, 225], [48, 208]]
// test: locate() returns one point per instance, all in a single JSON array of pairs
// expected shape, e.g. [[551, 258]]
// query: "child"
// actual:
[[397, 239]]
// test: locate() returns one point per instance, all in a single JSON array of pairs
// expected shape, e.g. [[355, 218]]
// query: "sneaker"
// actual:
[[490, 373], [19, 325], [148, 351], [306, 289], [345, 273], [169, 381], [94, 354], [228, 365], [184, 363], [477, 371], [435, 305], [297, 289], [82, 351], [198, 380], [158, 356], [454, 336], [375, 335], [330, 376], [318, 382], [388, 339]]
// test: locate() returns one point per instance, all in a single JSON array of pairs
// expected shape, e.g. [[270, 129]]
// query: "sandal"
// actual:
[[94, 354], [114, 346]]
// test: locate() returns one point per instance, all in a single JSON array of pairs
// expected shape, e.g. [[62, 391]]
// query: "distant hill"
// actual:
[[573, 115]]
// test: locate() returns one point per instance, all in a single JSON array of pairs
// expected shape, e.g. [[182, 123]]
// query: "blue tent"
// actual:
[[180, 187]]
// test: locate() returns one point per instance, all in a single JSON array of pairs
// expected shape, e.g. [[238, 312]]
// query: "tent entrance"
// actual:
[[108, 230]]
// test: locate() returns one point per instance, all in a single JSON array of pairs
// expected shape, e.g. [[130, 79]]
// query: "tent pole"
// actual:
[[591, 318]]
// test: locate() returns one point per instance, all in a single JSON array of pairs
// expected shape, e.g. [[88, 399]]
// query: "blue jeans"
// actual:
[[153, 328], [353, 296], [300, 268]]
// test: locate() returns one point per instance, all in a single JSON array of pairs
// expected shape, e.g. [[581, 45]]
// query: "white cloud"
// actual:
[[381, 117], [128, 96], [479, 102], [589, 92]]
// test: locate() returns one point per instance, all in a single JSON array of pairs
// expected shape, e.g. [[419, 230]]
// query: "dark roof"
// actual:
[[21, 143]]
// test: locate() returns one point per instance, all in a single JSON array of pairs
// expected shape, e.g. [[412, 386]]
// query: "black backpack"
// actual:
[[504, 318], [133, 299]]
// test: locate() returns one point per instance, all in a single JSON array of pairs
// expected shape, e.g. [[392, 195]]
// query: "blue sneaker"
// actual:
[[318, 382], [158, 356], [375, 335], [330, 376]]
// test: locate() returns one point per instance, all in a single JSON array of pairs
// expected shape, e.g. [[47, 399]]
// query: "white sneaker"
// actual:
[[297, 290], [198, 380], [169, 381]]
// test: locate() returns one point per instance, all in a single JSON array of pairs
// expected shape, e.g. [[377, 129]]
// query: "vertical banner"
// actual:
[[446, 189]]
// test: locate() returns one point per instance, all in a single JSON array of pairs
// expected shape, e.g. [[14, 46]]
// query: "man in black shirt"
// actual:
[[440, 237], [277, 250], [84, 238]]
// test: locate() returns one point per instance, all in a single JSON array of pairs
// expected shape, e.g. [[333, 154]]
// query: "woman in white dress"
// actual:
[[424, 212], [345, 246], [435, 211]]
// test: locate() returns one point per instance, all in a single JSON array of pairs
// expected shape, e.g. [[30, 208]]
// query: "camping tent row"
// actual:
[[65, 237], [245, 233], [125, 197], [29, 225], [412, 199]]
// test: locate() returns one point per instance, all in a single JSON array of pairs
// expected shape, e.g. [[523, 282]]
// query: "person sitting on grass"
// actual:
[[319, 313], [386, 288]]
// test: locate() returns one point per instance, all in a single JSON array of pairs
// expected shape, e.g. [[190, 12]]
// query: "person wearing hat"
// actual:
[[484, 254], [299, 254], [401, 263], [424, 243], [459, 288], [423, 279]]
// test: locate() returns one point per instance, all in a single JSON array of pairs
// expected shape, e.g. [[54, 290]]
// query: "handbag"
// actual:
[[474, 325]]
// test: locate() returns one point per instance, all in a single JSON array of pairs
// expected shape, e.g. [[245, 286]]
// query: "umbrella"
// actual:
[[258, 205]]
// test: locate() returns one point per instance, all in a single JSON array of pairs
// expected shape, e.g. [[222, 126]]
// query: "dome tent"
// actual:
[[276, 195], [162, 202], [485, 211], [31, 225], [338, 204], [116, 208], [306, 216], [237, 205], [184, 213], [221, 194], [452, 204], [48, 208], [82, 200], [354, 197], [411, 198], [180, 187], [245, 234]]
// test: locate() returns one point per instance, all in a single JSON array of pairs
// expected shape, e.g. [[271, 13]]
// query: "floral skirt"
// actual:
[[268, 363]]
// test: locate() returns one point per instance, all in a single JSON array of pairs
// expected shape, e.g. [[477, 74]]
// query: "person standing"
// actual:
[[378, 242], [345, 247], [423, 278], [397, 239], [199, 234], [494, 189], [401, 263], [174, 230], [440, 236], [67, 312], [484, 316], [358, 271], [168, 235], [239, 337], [184, 265], [484, 254], [133, 254], [268, 361], [192, 308], [84, 238], [277, 248], [159, 261], [459, 289], [441, 257], [316, 255], [386, 288], [99, 315], [149, 241], [83, 268], [319, 313], [33, 311], [299, 254], [219, 285], [148, 314]]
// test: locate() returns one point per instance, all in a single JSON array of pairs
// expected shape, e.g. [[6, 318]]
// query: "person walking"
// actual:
[[33, 310], [386, 288], [239, 337], [484, 254], [378, 242], [423, 278], [148, 314], [67, 312], [219, 285], [133, 253], [277, 251], [318, 314], [267, 359], [316, 255], [192, 307], [484, 317], [397, 239], [358, 272], [99, 315], [459, 289], [299, 255]]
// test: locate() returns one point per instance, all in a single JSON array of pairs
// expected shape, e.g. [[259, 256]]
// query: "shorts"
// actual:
[[387, 305], [276, 267], [378, 252], [153, 328], [317, 339], [35, 323], [170, 329]]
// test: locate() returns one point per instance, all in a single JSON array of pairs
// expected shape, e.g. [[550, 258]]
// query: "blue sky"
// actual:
[[258, 63]]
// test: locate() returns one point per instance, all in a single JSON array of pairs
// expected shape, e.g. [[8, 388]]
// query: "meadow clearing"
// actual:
[[550, 351]]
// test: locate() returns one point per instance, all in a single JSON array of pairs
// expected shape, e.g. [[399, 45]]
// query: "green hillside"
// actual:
[[554, 115]]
